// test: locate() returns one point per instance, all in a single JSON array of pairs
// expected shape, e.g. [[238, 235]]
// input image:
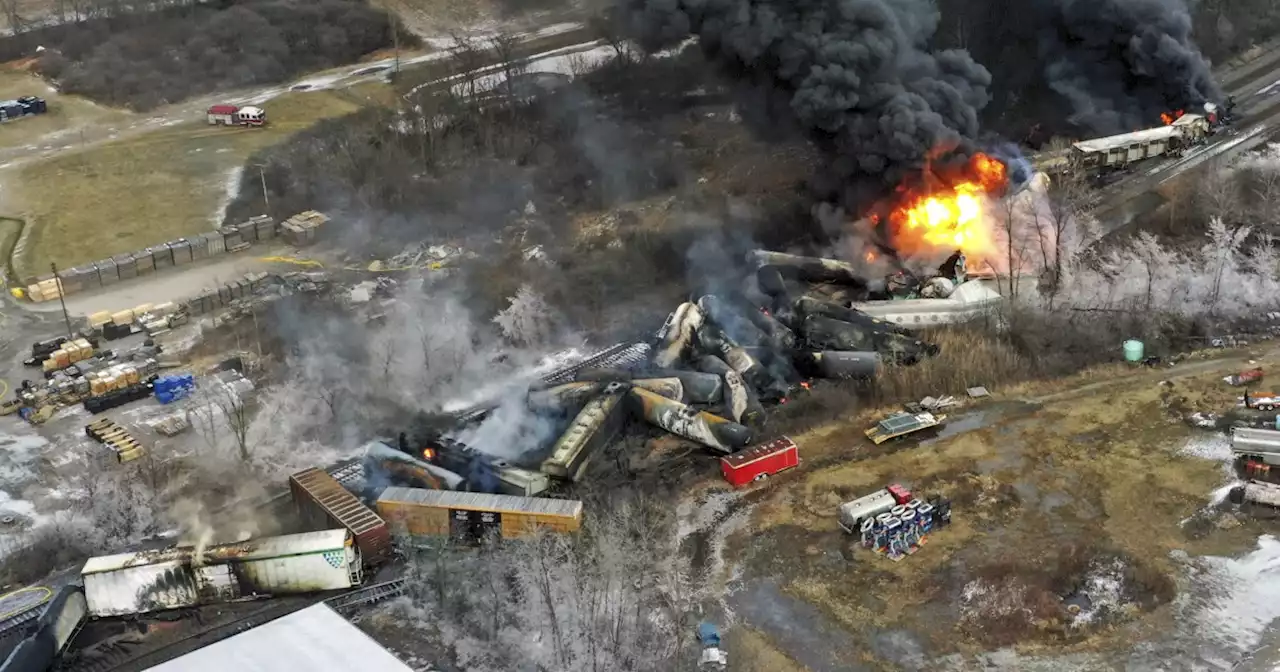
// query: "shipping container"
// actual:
[[176, 577], [248, 231], [415, 514], [181, 251], [217, 243], [199, 246], [144, 262], [106, 272], [161, 255], [322, 503], [126, 266], [231, 237], [759, 462]]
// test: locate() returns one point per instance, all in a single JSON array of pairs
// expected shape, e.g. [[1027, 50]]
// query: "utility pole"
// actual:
[[57, 281], [395, 39], [266, 202]]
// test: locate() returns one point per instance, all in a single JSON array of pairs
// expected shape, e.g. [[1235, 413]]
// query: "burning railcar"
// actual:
[[188, 576]]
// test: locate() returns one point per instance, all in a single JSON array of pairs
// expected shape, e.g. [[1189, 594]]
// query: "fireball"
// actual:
[[1169, 118], [952, 214]]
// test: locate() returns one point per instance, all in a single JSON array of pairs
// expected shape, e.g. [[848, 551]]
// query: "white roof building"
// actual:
[[315, 639]]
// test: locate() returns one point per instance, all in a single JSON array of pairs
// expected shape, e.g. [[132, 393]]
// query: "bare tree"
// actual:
[[1070, 200]]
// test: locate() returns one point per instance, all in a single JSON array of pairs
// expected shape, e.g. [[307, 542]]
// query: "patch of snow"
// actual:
[[1214, 447], [1242, 599], [1104, 588]]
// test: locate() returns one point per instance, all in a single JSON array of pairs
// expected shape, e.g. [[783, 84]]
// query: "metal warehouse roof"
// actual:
[[315, 639], [253, 549], [482, 502]]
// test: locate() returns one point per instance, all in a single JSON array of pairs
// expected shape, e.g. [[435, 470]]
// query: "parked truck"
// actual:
[[25, 106], [234, 115], [712, 658]]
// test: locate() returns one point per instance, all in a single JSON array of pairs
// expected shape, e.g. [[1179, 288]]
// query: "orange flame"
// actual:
[[806, 385], [1169, 118], [949, 216], [428, 454]]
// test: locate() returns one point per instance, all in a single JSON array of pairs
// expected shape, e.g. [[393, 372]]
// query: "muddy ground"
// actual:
[[1075, 508]]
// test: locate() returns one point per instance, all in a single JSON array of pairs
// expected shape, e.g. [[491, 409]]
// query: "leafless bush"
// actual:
[[612, 597], [163, 57]]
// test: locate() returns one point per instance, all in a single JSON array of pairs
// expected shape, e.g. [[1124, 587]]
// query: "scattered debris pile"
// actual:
[[714, 365]]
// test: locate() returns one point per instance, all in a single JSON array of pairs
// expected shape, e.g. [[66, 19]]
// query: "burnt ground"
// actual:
[[1068, 501]]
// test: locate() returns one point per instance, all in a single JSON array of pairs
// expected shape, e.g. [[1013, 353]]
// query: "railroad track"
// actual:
[[622, 355], [118, 658], [363, 597], [618, 356]]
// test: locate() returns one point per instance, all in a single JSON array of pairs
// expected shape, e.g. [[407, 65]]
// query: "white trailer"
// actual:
[[1118, 151], [176, 577], [1256, 445]]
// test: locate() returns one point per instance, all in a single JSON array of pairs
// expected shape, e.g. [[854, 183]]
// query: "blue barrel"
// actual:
[[868, 532], [898, 510], [1133, 351], [910, 527], [925, 515], [913, 504]]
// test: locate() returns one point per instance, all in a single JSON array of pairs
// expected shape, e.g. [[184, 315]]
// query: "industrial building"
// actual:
[[316, 639]]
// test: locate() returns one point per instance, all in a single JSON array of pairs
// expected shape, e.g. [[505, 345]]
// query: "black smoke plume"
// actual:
[[1120, 63], [856, 76]]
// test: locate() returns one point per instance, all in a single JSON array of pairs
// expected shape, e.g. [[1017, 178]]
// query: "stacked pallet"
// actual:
[[67, 354], [115, 437], [46, 289], [300, 229]]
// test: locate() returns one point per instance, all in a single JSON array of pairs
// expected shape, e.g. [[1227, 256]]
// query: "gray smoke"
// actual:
[[855, 75], [1120, 63]]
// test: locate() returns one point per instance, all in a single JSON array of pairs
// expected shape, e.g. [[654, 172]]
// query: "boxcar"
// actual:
[[416, 514], [322, 503]]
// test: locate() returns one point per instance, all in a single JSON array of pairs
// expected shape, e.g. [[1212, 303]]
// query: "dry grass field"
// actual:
[[1048, 480], [148, 187]]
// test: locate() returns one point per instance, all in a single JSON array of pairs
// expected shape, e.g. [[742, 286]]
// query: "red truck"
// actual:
[[233, 115], [758, 462]]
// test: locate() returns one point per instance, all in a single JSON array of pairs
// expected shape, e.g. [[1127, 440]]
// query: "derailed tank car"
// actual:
[[177, 577]]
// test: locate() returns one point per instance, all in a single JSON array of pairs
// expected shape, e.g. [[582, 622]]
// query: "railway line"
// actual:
[[1258, 122], [122, 655]]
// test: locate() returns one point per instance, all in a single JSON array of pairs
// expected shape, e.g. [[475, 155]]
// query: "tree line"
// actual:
[[144, 55]]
